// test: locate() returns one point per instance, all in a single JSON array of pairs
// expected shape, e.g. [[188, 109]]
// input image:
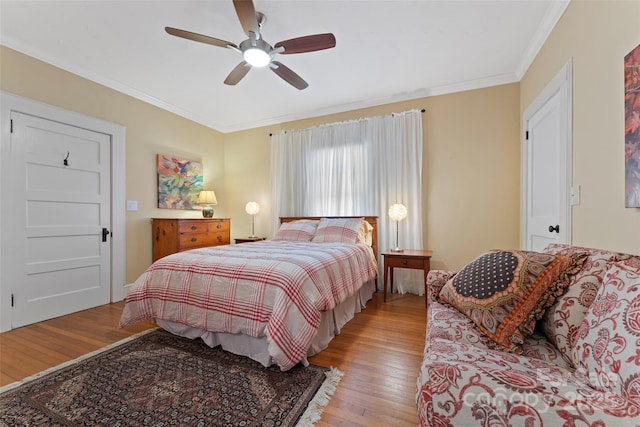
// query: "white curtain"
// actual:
[[358, 167]]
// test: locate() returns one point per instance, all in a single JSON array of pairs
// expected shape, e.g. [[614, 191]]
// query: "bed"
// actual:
[[277, 301]]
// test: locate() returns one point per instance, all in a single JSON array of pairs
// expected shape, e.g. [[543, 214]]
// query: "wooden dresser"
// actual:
[[175, 235]]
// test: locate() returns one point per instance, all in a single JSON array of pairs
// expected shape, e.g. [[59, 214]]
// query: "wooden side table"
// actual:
[[249, 239], [408, 258]]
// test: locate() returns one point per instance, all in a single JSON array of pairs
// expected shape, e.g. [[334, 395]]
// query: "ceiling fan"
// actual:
[[257, 52]]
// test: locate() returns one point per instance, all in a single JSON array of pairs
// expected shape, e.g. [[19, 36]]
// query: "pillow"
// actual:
[[338, 230], [297, 231], [562, 320], [607, 350], [365, 235], [505, 292]]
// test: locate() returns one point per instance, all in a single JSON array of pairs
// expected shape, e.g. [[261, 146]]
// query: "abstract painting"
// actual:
[[632, 128], [179, 182]]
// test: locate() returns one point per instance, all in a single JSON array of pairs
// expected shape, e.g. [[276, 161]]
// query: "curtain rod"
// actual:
[[422, 111]]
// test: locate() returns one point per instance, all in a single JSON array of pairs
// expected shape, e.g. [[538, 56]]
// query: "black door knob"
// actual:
[[552, 228]]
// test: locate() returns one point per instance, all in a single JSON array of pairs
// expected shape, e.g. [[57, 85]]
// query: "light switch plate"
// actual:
[[575, 195], [132, 205]]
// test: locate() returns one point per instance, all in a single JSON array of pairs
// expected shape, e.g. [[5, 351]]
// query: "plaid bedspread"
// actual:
[[274, 289]]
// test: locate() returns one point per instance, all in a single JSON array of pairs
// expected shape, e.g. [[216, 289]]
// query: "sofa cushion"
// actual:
[[607, 349], [436, 279], [561, 321], [505, 292], [539, 347], [468, 385], [450, 324]]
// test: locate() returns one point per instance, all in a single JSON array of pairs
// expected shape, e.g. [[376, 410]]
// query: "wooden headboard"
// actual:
[[373, 220]]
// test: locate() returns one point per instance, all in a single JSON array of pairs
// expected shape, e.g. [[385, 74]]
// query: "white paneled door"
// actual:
[[546, 165], [61, 207]]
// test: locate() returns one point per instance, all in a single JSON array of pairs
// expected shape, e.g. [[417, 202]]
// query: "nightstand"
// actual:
[[249, 239], [408, 258]]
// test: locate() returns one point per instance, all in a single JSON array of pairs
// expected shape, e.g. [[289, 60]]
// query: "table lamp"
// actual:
[[252, 208], [397, 212], [207, 199]]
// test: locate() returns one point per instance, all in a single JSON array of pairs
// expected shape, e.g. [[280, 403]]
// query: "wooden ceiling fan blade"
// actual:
[[307, 43], [247, 15], [199, 37], [237, 73], [288, 75]]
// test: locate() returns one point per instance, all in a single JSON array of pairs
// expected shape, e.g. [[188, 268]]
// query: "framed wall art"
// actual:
[[179, 182], [632, 128]]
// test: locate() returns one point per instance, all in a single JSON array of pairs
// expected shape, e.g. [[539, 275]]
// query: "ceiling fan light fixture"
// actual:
[[256, 57], [255, 51]]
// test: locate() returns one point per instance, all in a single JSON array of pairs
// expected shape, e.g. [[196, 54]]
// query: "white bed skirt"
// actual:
[[331, 322]]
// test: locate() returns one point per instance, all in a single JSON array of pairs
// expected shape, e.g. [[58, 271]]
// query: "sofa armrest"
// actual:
[[436, 279]]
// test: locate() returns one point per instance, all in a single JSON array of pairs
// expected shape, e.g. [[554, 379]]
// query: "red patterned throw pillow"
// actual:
[[562, 320], [505, 292], [607, 350]]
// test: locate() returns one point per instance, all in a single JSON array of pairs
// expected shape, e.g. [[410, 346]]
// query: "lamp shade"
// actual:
[[397, 212], [207, 197], [252, 208]]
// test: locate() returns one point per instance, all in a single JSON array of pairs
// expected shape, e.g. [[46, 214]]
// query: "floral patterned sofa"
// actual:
[[576, 363]]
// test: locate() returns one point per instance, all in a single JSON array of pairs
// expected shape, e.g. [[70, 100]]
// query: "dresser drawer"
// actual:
[[219, 227], [197, 226], [221, 238], [196, 240]]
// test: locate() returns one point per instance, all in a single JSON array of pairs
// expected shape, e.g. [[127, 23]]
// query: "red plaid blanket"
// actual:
[[272, 289]]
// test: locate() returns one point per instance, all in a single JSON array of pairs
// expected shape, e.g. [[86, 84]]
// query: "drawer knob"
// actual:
[[193, 227], [219, 238], [404, 261], [219, 226], [193, 239]]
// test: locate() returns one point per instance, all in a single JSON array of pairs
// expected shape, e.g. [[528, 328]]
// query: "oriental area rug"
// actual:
[[159, 379]]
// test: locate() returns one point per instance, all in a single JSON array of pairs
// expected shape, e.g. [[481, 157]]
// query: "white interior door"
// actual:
[[546, 166], [61, 262]]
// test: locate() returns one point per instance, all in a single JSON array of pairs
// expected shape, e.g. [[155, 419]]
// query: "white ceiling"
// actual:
[[386, 51]]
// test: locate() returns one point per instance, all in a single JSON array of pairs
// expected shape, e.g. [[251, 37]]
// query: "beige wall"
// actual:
[[149, 131], [471, 171], [595, 35], [471, 176], [471, 160]]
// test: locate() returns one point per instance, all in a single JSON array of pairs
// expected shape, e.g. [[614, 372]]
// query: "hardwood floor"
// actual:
[[379, 351], [31, 349]]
